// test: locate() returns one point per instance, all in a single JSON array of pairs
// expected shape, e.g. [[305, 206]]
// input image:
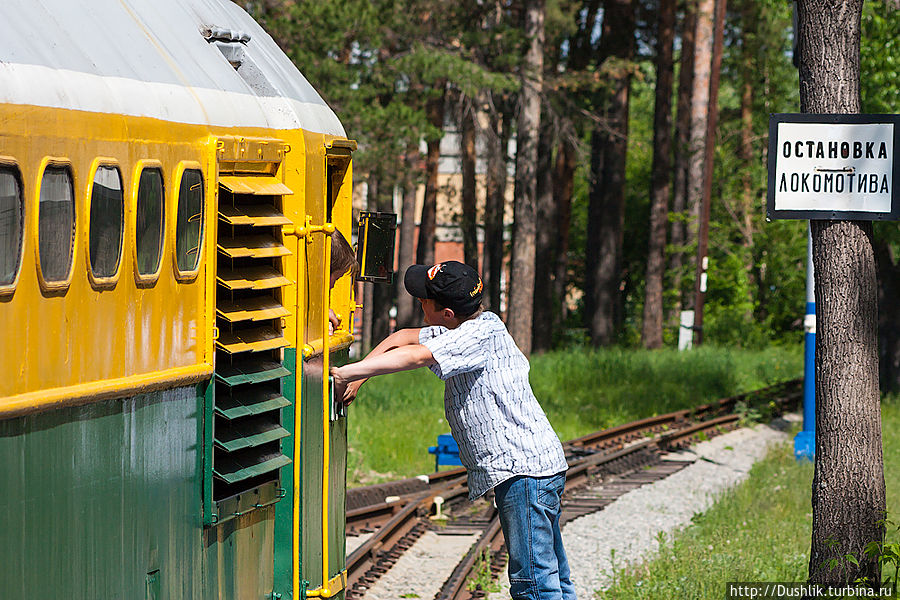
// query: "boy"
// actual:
[[504, 438]]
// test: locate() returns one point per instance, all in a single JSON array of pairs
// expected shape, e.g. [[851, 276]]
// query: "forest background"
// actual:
[[609, 104]]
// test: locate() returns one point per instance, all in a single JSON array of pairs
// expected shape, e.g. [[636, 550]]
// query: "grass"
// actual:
[[759, 531], [396, 417]]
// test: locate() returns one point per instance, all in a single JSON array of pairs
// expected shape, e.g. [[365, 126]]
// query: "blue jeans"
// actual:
[[529, 514]]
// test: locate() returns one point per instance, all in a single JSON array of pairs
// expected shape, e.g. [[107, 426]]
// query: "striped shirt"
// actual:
[[495, 419]]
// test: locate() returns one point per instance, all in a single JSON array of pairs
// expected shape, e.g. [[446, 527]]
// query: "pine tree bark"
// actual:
[[521, 294], [848, 493], [606, 209], [407, 314], [435, 113], [703, 43], [888, 316], [546, 244], [467, 162], [383, 294], [496, 142], [709, 153], [682, 142], [746, 211], [563, 188], [652, 332]]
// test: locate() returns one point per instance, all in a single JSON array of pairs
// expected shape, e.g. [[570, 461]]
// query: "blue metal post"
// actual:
[[805, 441]]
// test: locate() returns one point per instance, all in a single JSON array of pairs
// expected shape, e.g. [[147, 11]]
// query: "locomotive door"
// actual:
[[324, 430]]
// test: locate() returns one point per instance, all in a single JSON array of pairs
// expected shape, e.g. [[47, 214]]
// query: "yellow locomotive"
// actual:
[[169, 185]]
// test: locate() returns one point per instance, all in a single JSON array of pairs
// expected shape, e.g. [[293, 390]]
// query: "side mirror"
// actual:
[[375, 247]]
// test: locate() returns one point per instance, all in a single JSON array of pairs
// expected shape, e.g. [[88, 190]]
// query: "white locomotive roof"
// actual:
[[151, 58]]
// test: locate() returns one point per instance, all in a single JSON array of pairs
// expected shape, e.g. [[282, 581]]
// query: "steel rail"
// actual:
[[404, 520], [586, 455], [491, 540], [580, 467], [368, 554]]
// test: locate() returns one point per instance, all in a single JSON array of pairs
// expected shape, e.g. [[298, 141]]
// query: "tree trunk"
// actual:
[[546, 244], [467, 161], [563, 186], [888, 316], [848, 493], [606, 210], [703, 43], [651, 334], [497, 139], [682, 142], [383, 294], [435, 112], [521, 295], [745, 214], [712, 115], [407, 313]]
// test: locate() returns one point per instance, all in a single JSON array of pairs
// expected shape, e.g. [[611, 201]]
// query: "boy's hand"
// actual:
[[340, 383], [334, 320], [350, 392], [343, 389]]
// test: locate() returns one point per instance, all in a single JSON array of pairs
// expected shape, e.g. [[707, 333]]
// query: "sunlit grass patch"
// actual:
[[759, 531]]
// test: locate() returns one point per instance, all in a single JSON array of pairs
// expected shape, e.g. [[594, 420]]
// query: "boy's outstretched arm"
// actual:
[[395, 359], [401, 337]]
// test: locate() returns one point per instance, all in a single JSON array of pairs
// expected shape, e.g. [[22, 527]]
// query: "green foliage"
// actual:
[[397, 417], [378, 62], [887, 553], [880, 57]]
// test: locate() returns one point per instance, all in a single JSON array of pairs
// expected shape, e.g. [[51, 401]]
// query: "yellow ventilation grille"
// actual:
[[248, 399]]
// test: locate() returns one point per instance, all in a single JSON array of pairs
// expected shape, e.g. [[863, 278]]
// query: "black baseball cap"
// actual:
[[452, 284]]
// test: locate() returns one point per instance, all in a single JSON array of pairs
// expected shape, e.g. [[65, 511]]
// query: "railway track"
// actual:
[[624, 457]]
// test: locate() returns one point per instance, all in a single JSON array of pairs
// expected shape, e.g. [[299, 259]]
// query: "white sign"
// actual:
[[822, 170]]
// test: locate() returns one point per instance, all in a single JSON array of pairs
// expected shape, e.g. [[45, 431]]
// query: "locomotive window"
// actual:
[[189, 226], [56, 224], [150, 219], [12, 223], [107, 221]]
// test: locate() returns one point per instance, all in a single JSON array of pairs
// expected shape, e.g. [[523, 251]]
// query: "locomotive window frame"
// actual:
[[55, 285], [187, 275], [103, 281], [9, 164], [142, 166]]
